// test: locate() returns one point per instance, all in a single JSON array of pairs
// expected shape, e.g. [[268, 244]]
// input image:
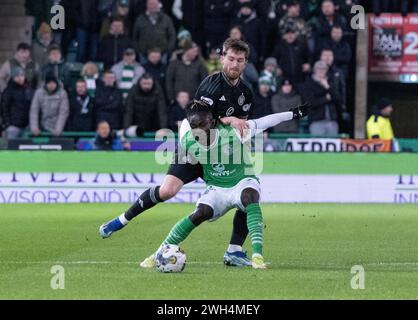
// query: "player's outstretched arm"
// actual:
[[240, 125], [261, 124]]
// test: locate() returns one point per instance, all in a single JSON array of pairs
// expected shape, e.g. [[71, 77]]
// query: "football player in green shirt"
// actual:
[[227, 171]]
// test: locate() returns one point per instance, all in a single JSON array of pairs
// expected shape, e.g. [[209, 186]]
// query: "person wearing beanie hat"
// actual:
[[50, 108], [262, 99], [270, 71], [285, 99], [379, 125], [213, 63], [15, 104]]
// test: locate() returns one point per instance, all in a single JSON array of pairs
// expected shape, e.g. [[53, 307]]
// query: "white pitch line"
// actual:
[[283, 264], [95, 262]]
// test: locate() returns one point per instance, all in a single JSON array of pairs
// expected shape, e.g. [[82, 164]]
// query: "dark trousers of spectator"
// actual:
[[379, 6], [87, 45]]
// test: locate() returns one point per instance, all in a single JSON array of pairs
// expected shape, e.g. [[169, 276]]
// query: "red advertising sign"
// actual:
[[393, 47]]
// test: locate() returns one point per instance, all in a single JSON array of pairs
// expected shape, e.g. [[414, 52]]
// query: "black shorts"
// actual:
[[186, 172]]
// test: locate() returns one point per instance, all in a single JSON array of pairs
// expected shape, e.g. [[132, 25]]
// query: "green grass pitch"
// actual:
[[311, 249]]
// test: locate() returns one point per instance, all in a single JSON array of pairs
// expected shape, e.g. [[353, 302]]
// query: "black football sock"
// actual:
[[146, 200], [240, 229]]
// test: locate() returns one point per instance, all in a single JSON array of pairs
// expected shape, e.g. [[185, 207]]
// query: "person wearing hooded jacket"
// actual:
[[285, 99], [15, 104], [379, 125], [50, 108], [146, 105]]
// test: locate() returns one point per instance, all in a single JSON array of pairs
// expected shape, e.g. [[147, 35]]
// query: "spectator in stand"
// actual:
[[176, 112], [185, 73], [90, 74], [262, 99], [111, 9], [41, 44], [127, 72], [342, 50], [343, 7], [324, 100], [335, 75], [86, 18], [106, 139], [114, 44], [213, 63], [250, 73], [155, 67], [252, 28], [293, 20], [270, 71], [57, 67], [285, 99], [216, 22], [146, 105], [236, 33], [81, 109], [153, 29], [378, 125], [15, 104], [292, 57], [50, 104], [327, 19], [23, 60], [108, 103], [190, 14]]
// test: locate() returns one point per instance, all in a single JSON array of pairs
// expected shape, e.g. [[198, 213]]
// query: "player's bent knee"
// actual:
[[202, 213], [170, 187], [249, 196]]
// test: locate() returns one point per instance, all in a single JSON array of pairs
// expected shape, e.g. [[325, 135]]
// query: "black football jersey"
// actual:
[[227, 100]]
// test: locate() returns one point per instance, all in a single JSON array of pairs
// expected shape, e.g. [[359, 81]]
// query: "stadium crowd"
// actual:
[[139, 62]]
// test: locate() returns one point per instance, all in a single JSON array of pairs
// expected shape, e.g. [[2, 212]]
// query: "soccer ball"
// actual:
[[170, 258]]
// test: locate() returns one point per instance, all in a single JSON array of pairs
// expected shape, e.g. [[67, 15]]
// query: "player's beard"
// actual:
[[232, 74]]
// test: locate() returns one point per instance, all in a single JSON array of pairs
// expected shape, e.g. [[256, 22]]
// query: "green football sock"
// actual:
[[255, 227], [180, 231]]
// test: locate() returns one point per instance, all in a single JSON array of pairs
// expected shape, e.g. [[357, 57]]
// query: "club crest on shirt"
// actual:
[[218, 167], [241, 99], [246, 107], [230, 111]]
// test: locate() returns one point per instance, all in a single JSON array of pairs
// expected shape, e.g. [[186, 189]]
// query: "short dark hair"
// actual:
[[116, 19], [80, 80], [54, 47], [146, 76], [237, 46], [23, 46], [154, 49], [198, 113]]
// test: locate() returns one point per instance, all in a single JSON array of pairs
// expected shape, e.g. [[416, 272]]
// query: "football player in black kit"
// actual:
[[231, 99]]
